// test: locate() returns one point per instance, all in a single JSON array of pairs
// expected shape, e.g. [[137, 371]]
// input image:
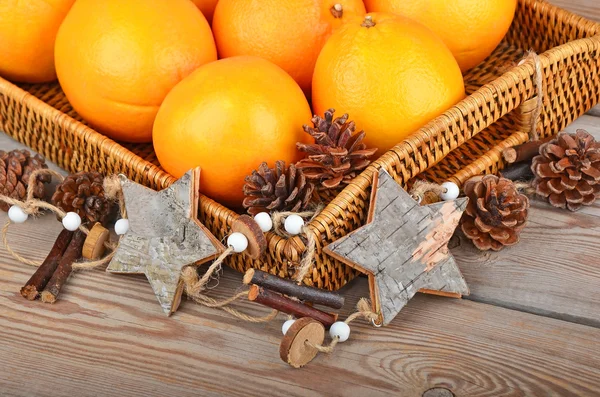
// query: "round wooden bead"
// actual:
[[93, 247], [294, 348], [287, 325], [451, 191], [71, 221], [257, 242], [341, 330], [293, 224], [238, 241], [122, 226], [16, 214], [264, 221]]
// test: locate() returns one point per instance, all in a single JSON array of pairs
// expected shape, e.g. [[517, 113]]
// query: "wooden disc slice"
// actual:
[[93, 247], [257, 243], [293, 349]]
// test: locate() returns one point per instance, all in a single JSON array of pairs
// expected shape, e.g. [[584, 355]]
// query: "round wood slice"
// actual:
[[257, 243], [93, 247], [293, 349]]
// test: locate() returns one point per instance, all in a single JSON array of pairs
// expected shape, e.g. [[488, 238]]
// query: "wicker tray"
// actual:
[[464, 141]]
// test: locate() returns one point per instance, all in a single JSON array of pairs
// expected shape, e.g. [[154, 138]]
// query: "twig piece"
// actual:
[[65, 267], [290, 288], [44, 272], [289, 306], [525, 151], [518, 171]]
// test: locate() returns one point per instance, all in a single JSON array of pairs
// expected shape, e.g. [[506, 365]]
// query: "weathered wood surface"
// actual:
[[164, 236], [403, 247], [589, 9], [555, 268], [105, 337]]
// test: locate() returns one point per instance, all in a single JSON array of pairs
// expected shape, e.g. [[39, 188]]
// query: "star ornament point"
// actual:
[[403, 247], [164, 236]]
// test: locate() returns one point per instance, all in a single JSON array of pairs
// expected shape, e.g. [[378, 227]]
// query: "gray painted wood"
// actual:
[[403, 247]]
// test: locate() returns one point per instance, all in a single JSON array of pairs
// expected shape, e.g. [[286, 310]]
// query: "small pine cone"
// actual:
[[277, 189], [496, 212], [16, 168], [567, 170], [338, 154], [83, 193]]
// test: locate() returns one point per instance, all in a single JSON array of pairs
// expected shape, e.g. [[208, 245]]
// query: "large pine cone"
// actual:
[[83, 193], [277, 189], [338, 154], [16, 167], [496, 212], [567, 170]]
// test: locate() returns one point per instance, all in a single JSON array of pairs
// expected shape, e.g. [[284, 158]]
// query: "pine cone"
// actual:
[[567, 170], [496, 212], [338, 154], [83, 193], [16, 167], [277, 189]]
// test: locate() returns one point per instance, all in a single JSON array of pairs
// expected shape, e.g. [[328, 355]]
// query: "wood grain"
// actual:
[[107, 336], [589, 9]]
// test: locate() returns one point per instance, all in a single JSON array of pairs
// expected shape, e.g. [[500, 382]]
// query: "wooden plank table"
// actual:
[[529, 328]]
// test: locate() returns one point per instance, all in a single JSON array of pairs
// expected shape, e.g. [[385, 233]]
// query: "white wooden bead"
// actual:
[[293, 224], [238, 241], [264, 221], [287, 325], [71, 221], [16, 214], [452, 191], [122, 226], [341, 330]]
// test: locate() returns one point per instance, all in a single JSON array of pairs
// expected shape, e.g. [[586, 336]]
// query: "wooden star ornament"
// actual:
[[164, 236], [403, 248]]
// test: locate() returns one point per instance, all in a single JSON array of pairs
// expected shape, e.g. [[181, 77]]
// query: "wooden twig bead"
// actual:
[[293, 224], [93, 246], [451, 191], [295, 348], [341, 330], [264, 221], [122, 226], [16, 214], [238, 241], [287, 325], [71, 221]]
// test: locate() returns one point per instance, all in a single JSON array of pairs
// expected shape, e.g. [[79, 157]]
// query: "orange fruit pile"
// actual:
[[390, 73], [470, 28], [227, 117], [116, 74], [27, 33], [288, 33]]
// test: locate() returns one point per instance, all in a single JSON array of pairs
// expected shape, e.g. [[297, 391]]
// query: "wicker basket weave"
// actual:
[[464, 141]]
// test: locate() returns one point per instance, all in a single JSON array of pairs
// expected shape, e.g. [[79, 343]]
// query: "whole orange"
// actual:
[[390, 74], [227, 117], [472, 29], [288, 33], [27, 33], [207, 7], [116, 60]]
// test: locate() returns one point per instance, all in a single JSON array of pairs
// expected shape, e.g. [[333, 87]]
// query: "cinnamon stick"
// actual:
[[525, 151], [64, 269], [518, 171], [286, 305], [44, 272], [290, 288]]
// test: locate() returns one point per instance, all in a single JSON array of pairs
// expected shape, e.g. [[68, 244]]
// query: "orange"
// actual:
[[390, 74], [116, 60], [288, 33], [227, 117], [207, 7], [27, 33], [472, 29]]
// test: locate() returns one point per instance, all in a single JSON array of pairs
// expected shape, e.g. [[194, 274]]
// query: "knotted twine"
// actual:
[[32, 206]]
